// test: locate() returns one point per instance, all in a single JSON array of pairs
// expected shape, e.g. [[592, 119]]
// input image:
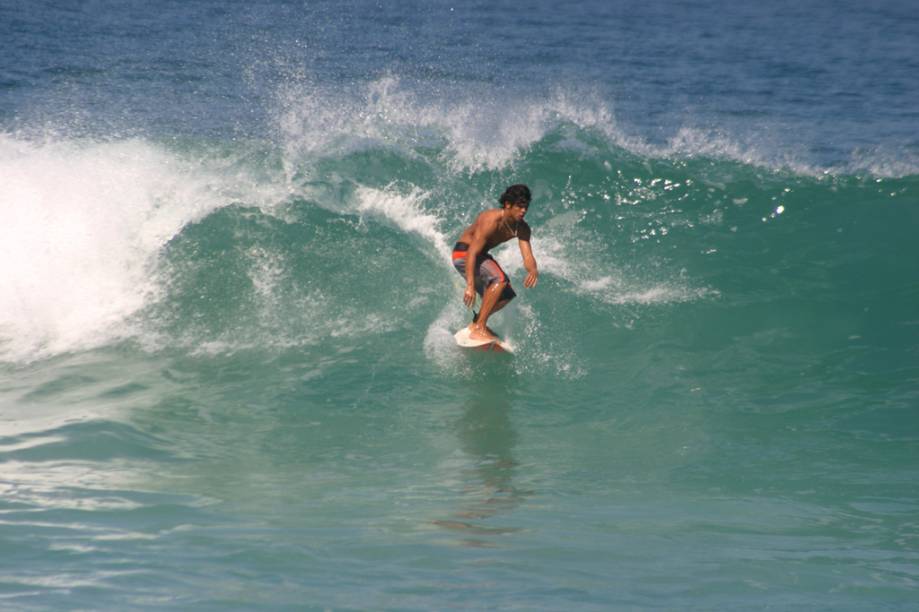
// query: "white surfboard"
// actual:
[[498, 346]]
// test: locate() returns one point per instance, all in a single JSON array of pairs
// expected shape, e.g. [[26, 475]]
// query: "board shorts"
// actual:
[[487, 271]]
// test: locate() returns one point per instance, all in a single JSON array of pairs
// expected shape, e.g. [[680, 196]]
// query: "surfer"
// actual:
[[491, 228]]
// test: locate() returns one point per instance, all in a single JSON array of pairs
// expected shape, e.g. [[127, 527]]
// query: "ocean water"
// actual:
[[227, 377]]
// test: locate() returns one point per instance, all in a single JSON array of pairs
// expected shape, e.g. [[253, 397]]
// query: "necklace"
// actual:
[[512, 231]]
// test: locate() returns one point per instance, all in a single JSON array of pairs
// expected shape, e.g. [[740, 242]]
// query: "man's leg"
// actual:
[[498, 306], [490, 305]]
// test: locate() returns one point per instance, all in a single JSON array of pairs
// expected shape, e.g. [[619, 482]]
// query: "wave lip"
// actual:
[[488, 129], [476, 131]]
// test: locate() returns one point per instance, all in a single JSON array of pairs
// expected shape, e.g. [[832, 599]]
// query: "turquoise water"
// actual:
[[227, 376]]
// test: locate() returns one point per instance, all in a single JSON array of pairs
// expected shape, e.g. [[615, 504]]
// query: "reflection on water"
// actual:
[[487, 436]]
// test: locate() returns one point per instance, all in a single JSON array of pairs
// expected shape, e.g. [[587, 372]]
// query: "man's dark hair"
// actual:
[[516, 194]]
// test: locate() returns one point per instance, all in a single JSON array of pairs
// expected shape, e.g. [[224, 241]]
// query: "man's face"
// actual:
[[518, 211]]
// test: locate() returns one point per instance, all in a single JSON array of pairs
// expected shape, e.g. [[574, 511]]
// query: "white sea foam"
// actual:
[[81, 225], [406, 212]]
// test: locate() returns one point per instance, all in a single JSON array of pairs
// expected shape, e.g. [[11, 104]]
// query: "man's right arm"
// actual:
[[480, 233]]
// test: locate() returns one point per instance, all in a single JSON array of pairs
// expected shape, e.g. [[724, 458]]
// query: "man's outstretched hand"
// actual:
[[531, 279]]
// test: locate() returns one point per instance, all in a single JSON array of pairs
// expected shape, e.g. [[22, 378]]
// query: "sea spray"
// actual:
[[82, 229]]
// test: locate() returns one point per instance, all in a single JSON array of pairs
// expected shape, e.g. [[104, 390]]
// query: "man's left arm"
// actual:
[[529, 261]]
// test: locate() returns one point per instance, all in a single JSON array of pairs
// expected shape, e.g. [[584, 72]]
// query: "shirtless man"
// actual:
[[486, 277]]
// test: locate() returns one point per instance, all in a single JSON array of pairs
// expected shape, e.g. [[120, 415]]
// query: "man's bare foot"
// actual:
[[475, 321], [480, 332], [490, 331]]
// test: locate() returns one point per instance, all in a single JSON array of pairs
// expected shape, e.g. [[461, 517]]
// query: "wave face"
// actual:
[[276, 244], [227, 377]]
